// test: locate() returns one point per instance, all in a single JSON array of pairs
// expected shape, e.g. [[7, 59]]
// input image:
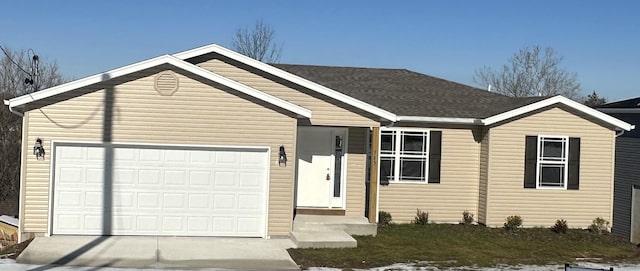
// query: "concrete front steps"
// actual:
[[328, 231]]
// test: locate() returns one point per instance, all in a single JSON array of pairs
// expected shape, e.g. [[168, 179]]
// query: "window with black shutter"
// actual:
[[552, 162], [410, 155]]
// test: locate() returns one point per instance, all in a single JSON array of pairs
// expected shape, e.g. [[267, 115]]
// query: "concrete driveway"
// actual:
[[161, 252]]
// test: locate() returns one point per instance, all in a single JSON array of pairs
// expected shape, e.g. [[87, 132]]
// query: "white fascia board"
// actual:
[[213, 48], [240, 87], [6, 102], [165, 59], [554, 100], [94, 79], [470, 121]]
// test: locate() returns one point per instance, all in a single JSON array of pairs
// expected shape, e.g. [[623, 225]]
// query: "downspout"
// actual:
[[620, 132]]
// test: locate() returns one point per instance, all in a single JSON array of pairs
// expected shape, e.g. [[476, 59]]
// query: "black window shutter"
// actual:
[[530, 161], [435, 150], [573, 182]]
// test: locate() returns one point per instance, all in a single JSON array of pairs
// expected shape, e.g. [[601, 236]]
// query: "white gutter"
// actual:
[[470, 121], [8, 103]]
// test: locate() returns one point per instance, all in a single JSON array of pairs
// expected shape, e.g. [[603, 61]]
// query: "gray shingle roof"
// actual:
[[407, 93], [629, 103]]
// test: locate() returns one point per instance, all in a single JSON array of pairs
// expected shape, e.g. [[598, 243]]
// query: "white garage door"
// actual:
[[160, 191]]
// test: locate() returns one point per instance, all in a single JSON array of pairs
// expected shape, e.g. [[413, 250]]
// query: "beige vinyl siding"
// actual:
[[456, 192], [356, 172], [483, 196], [198, 113], [542, 207], [326, 112]]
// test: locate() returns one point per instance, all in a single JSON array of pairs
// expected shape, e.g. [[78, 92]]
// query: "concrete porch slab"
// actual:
[[349, 224], [323, 239], [161, 252]]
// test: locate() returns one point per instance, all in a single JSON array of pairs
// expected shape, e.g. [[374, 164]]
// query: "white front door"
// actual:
[[321, 165]]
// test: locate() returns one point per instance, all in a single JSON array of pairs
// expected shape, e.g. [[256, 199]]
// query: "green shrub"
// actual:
[[514, 222], [599, 225], [467, 218], [422, 218], [384, 218], [560, 227]]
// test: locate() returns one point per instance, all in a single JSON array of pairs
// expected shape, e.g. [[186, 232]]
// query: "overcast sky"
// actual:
[[599, 40]]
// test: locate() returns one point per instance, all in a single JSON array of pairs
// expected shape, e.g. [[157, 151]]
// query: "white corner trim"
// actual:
[[165, 59], [554, 100], [471, 121], [213, 48], [6, 102]]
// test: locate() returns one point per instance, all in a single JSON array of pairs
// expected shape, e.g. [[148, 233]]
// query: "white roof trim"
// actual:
[[213, 48], [440, 120], [9, 220], [554, 100], [165, 59]]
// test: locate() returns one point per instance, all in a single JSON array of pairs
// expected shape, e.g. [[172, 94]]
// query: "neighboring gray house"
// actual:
[[626, 206]]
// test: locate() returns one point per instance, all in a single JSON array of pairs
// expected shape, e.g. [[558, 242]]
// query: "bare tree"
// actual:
[[258, 43], [531, 72], [15, 67]]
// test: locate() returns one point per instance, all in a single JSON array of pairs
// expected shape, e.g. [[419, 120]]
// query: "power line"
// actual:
[[12, 61]]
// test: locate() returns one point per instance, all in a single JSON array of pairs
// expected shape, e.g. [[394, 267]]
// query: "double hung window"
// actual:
[[404, 155]]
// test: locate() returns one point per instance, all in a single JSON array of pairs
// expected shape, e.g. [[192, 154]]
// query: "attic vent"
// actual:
[[166, 83]]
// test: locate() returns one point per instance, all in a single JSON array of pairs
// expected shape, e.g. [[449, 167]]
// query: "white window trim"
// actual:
[[565, 162], [396, 156]]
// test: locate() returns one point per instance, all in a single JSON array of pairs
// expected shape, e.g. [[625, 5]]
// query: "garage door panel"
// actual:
[[249, 202], [148, 224], [124, 176], [250, 180], [175, 177], [149, 176], [173, 201], [223, 201], [148, 200], [71, 175], [93, 199], [199, 201], [196, 224], [92, 223], [224, 178], [123, 223], [199, 157], [200, 177], [123, 199], [161, 191], [94, 175], [172, 223], [149, 155], [71, 199], [69, 153], [247, 224]]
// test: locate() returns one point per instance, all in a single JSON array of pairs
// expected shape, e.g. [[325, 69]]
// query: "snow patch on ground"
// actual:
[[11, 265], [426, 267]]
